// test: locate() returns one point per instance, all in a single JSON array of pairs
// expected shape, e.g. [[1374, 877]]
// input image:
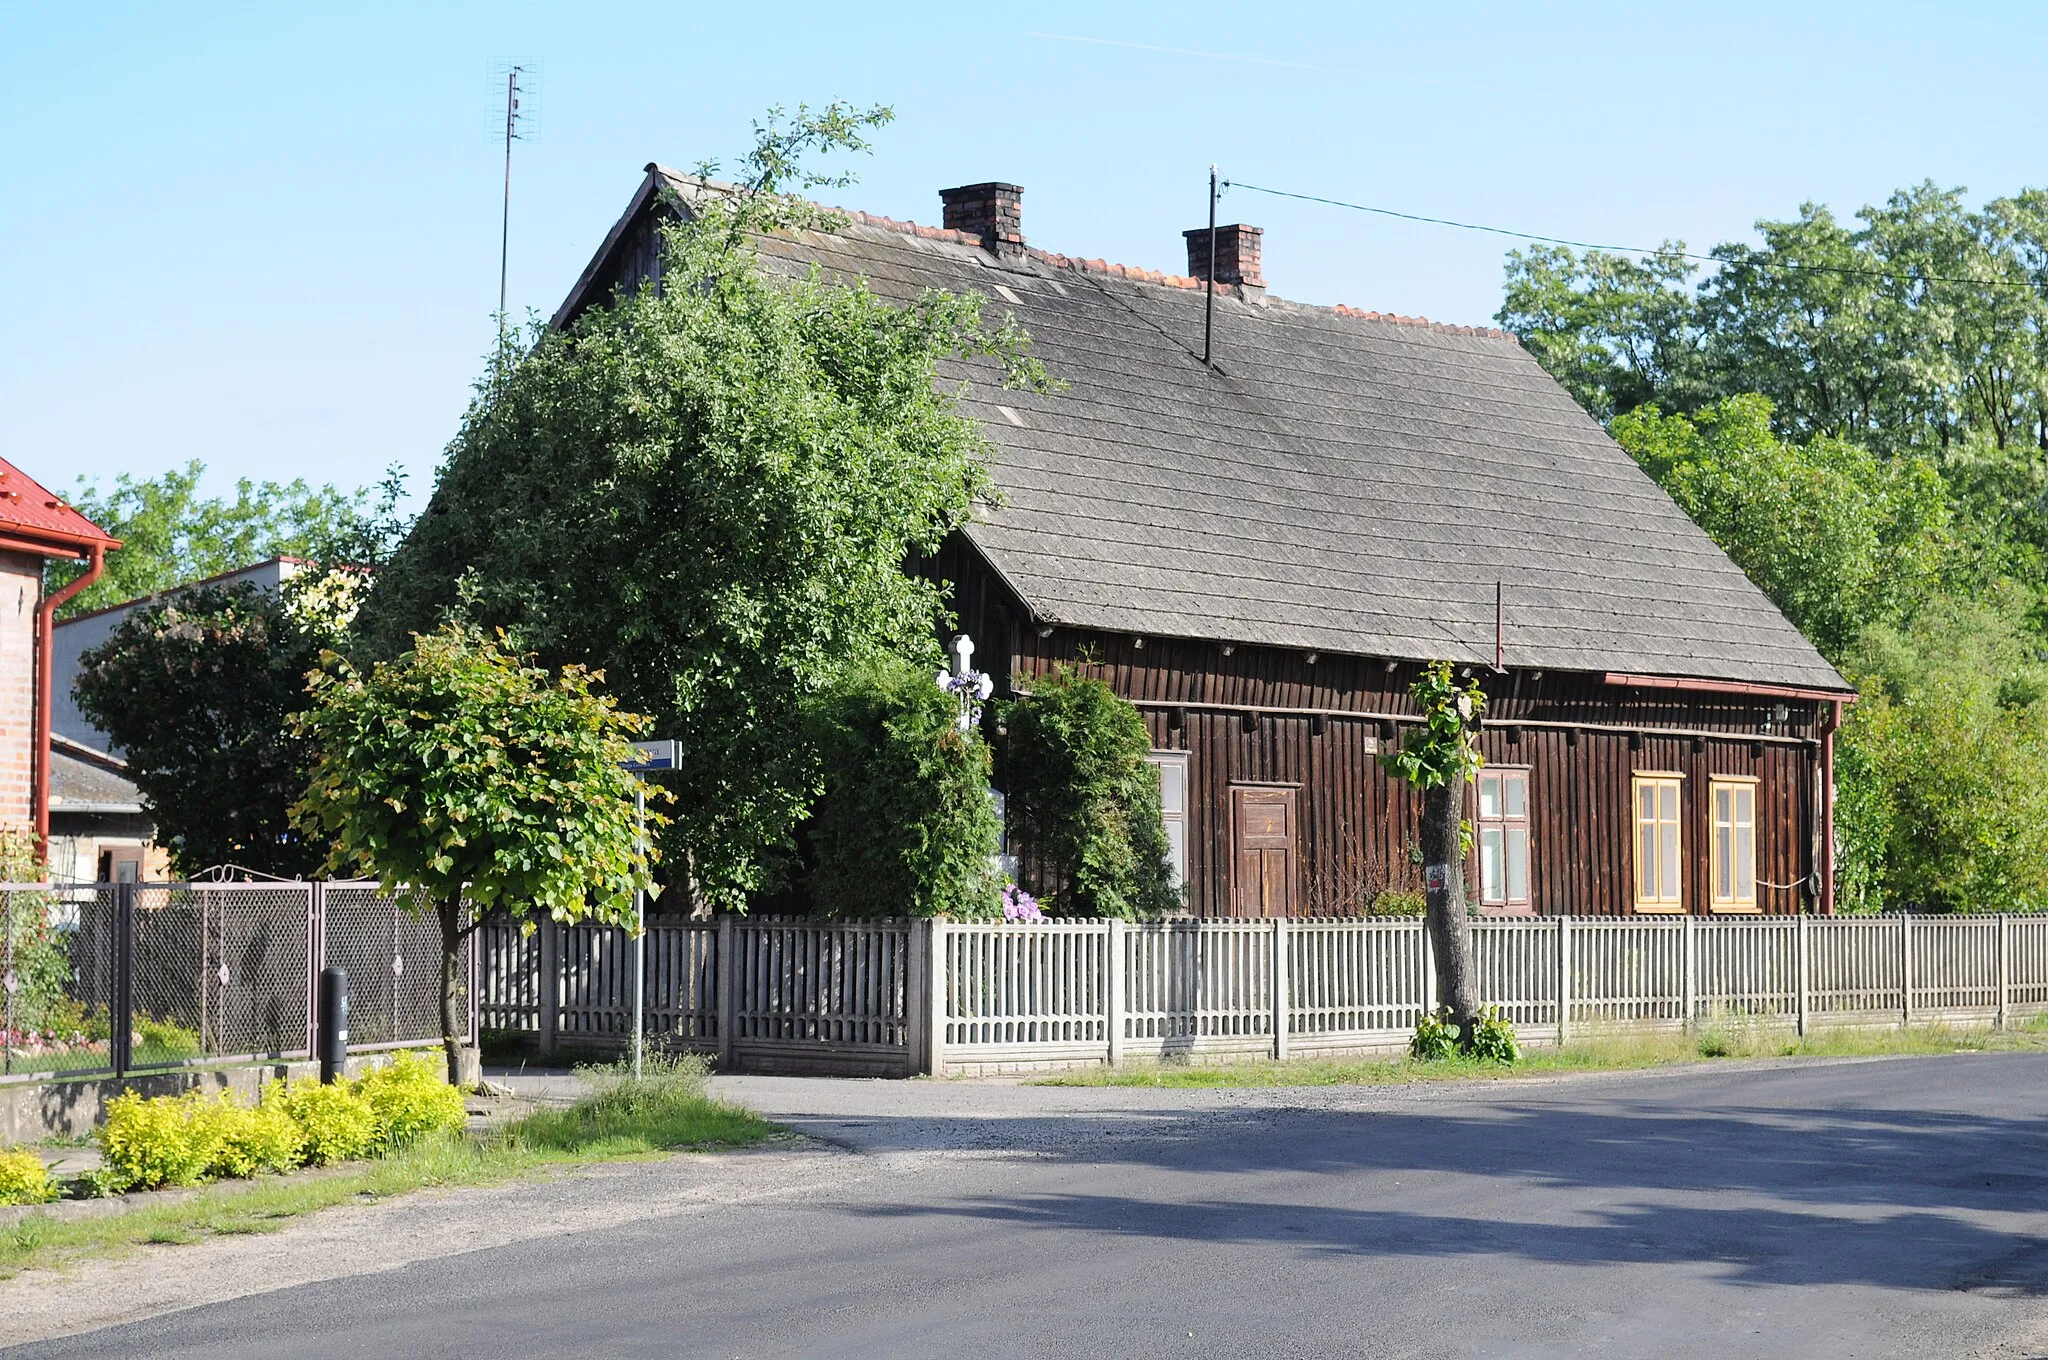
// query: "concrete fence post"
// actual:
[[1689, 968], [917, 1006], [547, 987], [1282, 1001], [2004, 971], [1115, 967], [1564, 980], [1905, 969], [935, 995], [1803, 966], [726, 1002], [1428, 969]]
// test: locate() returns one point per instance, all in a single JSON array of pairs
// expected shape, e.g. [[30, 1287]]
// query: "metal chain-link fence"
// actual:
[[112, 978]]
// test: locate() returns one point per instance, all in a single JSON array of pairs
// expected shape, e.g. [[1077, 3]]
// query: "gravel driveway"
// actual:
[[1895, 1207]]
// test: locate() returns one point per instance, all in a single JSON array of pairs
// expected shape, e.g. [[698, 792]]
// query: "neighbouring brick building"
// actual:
[[36, 527]]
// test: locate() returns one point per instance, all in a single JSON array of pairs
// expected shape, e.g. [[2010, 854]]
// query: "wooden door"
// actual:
[[1262, 850]]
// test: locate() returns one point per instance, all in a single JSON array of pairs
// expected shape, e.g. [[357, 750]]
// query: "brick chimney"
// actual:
[[1237, 255], [992, 211]]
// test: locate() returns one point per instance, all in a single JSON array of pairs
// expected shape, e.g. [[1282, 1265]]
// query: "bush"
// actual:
[[336, 1121], [410, 1097], [248, 1140], [1493, 1039], [148, 1144], [24, 1179], [1083, 801], [1436, 1038], [905, 825], [1393, 903]]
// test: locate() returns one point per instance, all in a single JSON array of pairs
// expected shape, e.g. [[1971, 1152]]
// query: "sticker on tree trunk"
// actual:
[[1436, 877]]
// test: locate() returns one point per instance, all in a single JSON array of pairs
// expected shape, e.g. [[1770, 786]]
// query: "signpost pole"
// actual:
[[639, 937]]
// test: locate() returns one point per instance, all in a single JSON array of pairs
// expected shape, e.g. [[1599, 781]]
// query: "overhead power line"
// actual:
[[1628, 250]]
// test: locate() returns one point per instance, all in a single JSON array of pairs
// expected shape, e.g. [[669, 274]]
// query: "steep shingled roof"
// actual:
[[1343, 481]]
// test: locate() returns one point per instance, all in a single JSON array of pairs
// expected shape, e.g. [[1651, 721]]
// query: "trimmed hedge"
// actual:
[[905, 824], [1083, 801]]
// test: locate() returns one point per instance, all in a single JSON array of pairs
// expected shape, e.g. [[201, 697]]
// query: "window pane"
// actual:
[[1745, 805], [1515, 791], [1646, 860], [1724, 863], [1646, 803], [1667, 861], [1489, 795], [1172, 786], [1667, 802], [1518, 864], [1492, 873], [1745, 864], [1724, 802], [1177, 850]]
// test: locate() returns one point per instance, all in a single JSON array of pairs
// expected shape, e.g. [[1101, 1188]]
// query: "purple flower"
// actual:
[[1019, 905]]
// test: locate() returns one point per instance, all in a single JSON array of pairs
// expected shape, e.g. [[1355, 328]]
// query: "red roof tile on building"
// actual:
[[35, 518]]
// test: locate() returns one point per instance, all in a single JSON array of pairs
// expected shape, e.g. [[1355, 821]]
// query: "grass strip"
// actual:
[[665, 1111], [1593, 1053]]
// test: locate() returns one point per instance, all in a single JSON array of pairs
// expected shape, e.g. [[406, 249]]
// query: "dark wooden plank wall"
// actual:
[[1357, 825]]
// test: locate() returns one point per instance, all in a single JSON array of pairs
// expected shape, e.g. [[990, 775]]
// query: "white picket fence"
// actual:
[[895, 998]]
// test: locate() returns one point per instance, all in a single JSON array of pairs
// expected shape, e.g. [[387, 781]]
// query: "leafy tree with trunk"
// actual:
[[171, 535], [712, 491], [1439, 756], [1838, 538], [904, 825], [197, 691], [478, 786], [1083, 800]]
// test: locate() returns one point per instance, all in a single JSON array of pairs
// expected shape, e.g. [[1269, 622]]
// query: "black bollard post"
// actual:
[[333, 1029]]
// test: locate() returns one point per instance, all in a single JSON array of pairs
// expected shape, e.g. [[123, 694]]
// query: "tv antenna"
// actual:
[[514, 85]]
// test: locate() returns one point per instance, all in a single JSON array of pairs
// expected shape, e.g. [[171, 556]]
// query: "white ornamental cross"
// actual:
[[398, 965], [223, 973]]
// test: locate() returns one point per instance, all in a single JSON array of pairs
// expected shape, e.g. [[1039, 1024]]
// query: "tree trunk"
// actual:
[[1450, 928], [465, 1064]]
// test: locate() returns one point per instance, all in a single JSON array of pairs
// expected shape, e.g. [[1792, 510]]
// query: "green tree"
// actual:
[[712, 492], [1941, 807], [1083, 801], [905, 824], [459, 775], [1837, 538], [197, 690], [1440, 757], [1616, 333], [171, 535]]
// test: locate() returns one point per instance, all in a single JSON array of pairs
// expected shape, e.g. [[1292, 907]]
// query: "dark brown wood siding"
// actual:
[[1261, 715]]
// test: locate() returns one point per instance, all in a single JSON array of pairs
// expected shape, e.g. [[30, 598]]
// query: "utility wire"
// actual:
[[1629, 250]]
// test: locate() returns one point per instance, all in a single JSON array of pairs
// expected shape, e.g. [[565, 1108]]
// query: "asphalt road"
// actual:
[[1880, 1208]]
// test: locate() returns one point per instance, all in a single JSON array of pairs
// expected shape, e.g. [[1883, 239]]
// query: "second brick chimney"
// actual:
[[992, 211], [1237, 255]]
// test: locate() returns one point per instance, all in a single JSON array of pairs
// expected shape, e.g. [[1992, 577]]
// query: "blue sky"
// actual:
[[267, 236]]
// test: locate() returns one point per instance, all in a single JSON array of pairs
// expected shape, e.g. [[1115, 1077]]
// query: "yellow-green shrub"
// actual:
[[24, 1179], [411, 1096], [167, 1140], [251, 1140], [336, 1122]]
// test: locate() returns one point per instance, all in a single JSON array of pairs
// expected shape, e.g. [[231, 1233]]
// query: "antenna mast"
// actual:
[[1209, 302], [520, 84]]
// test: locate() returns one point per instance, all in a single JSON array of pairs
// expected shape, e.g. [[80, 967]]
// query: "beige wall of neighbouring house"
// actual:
[[21, 586]]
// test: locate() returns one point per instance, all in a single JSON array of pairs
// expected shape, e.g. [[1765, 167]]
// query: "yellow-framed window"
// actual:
[[1657, 798], [1733, 806]]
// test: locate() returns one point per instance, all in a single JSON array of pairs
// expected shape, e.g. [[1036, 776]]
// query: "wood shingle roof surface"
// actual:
[[1338, 483]]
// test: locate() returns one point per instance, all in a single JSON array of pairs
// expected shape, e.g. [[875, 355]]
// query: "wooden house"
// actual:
[[1261, 550]]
